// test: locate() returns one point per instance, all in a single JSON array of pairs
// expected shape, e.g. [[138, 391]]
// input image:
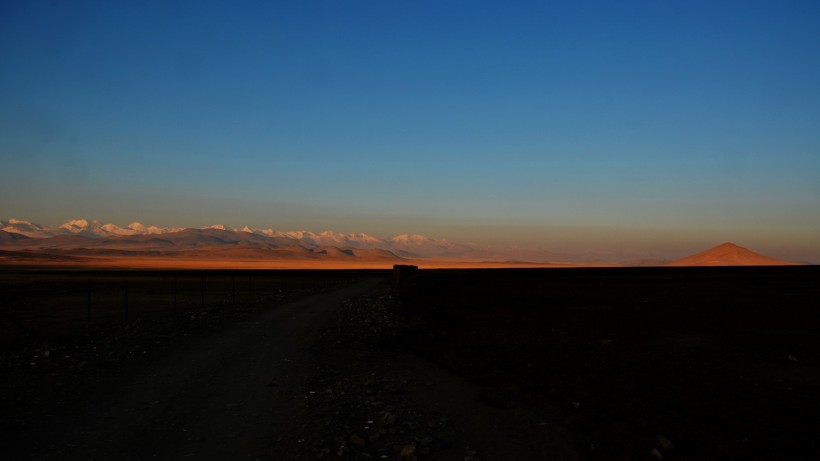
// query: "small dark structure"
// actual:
[[404, 279]]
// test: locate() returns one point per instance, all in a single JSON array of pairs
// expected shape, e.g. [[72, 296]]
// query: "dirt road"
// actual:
[[324, 376], [232, 395]]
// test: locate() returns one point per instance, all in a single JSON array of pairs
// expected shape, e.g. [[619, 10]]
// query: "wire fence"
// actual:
[[61, 303]]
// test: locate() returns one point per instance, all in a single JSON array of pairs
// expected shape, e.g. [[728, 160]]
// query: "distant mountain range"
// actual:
[[82, 233], [83, 238]]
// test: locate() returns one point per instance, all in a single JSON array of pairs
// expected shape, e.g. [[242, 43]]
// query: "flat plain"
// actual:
[[695, 363], [589, 363]]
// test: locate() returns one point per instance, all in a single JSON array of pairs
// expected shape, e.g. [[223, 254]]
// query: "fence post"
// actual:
[[250, 289], [88, 307], [202, 290], [233, 289]]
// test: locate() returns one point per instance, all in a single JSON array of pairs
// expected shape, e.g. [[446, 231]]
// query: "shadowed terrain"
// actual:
[[722, 362], [531, 364]]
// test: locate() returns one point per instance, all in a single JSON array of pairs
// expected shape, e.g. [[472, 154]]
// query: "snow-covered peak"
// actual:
[[268, 232], [295, 234], [137, 227], [27, 228], [331, 238], [113, 229], [94, 228], [75, 225], [365, 238]]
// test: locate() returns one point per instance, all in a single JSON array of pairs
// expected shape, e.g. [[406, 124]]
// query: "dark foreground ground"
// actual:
[[672, 363], [695, 363], [306, 365]]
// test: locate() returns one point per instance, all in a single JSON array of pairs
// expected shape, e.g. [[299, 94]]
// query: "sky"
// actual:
[[616, 129]]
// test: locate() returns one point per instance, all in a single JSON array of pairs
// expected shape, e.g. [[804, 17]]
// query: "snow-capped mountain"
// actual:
[[97, 229], [326, 238], [222, 227], [330, 238], [138, 228], [90, 228], [82, 227], [16, 226], [406, 245]]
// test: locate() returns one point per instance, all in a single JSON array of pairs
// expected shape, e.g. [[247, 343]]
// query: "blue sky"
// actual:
[[610, 128]]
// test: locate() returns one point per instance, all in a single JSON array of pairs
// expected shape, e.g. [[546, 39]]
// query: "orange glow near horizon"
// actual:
[[185, 263]]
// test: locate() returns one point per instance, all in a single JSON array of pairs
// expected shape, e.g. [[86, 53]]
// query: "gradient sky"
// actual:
[[619, 129]]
